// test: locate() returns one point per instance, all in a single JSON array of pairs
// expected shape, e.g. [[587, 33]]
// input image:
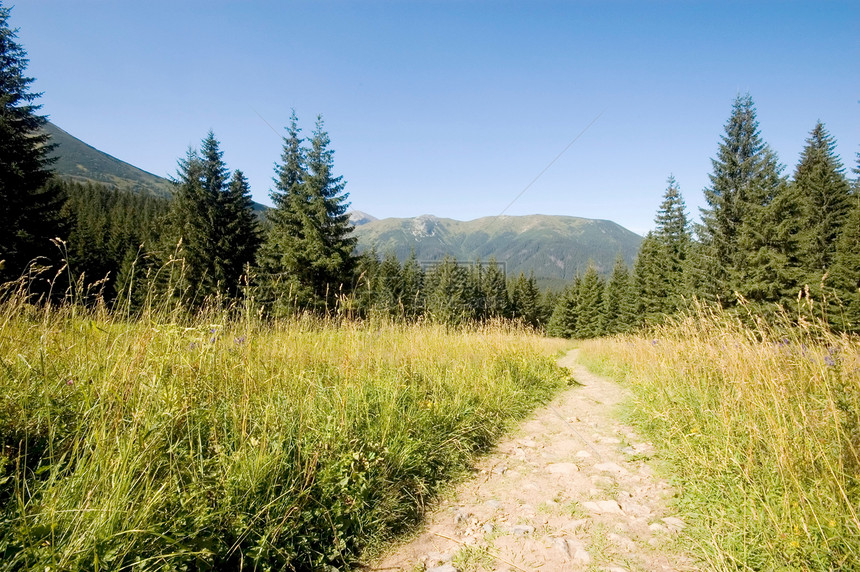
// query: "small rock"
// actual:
[[581, 557], [674, 524], [487, 528], [528, 443], [461, 515], [500, 470], [611, 440], [493, 504], [656, 527], [582, 454], [523, 529], [562, 545], [562, 468], [443, 568], [603, 507]]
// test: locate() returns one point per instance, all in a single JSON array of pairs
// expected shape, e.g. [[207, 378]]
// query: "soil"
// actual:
[[573, 488]]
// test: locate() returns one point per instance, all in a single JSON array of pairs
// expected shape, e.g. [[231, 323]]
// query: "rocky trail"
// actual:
[[572, 489]]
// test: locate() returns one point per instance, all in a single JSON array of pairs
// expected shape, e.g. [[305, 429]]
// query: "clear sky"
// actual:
[[452, 107]]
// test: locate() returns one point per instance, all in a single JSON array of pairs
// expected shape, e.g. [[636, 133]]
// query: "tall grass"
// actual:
[[230, 443], [763, 426]]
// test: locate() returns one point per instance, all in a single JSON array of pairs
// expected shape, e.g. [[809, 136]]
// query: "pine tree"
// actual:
[[745, 181], [525, 300], [390, 285], [309, 249], [413, 287], [447, 296], [240, 232], [495, 291], [213, 221], [617, 300], [648, 284], [563, 322], [589, 305], [845, 269], [672, 234], [821, 184], [31, 211]]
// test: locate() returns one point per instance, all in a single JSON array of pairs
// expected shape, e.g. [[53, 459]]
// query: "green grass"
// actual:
[[763, 429], [216, 443]]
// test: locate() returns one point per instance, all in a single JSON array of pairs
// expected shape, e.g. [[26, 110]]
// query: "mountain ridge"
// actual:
[[555, 247]]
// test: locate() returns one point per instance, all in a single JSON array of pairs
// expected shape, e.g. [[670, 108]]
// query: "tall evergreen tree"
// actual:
[[413, 287], [845, 269], [525, 302], [447, 295], [309, 249], [31, 211], [589, 305], [495, 291], [618, 300], [672, 234], [213, 222], [821, 184], [648, 284], [740, 234]]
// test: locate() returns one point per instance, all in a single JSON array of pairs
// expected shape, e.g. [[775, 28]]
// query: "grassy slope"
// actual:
[[554, 246], [162, 444], [763, 427], [83, 163]]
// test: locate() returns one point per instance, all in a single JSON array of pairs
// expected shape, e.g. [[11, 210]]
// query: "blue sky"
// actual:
[[452, 107]]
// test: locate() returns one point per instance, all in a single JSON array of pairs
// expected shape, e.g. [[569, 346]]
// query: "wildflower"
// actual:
[[829, 361], [192, 345], [70, 382], [240, 340], [653, 342]]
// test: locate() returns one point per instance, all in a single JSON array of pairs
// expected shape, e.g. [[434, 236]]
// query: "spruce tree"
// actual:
[[447, 296], [845, 279], [525, 303], [648, 283], [820, 182], [495, 291], [309, 250], [30, 214], [563, 321], [213, 222], [281, 258], [617, 300], [589, 305], [672, 234], [744, 182], [413, 287]]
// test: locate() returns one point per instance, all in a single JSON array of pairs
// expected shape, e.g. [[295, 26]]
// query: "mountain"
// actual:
[[555, 247], [84, 163], [359, 218]]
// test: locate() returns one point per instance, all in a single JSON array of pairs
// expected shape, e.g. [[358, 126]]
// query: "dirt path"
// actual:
[[572, 489]]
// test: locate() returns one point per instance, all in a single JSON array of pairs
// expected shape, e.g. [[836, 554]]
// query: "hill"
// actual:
[[555, 247], [84, 163], [77, 161]]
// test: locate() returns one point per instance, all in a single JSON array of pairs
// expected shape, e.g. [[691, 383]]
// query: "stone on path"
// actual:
[[443, 568], [562, 468], [603, 507], [523, 529]]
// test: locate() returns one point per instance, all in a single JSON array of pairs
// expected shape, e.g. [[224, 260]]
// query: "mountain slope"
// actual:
[[84, 163], [555, 247]]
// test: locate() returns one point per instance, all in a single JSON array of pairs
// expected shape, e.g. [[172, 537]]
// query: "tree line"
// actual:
[[766, 241]]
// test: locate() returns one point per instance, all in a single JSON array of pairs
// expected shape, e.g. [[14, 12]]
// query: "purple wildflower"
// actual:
[[829, 361]]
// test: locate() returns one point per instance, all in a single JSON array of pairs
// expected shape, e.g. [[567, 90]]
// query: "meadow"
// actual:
[[226, 442], [761, 427]]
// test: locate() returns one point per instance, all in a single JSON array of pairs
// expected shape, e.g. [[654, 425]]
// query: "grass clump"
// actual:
[[219, 443], [763, 426]]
